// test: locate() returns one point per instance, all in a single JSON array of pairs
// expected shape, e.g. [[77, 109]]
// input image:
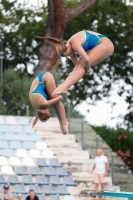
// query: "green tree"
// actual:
[[15, 89], [120, 140], [112, 18]]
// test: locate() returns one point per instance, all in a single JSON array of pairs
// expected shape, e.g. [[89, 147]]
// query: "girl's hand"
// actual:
[[60, 97]]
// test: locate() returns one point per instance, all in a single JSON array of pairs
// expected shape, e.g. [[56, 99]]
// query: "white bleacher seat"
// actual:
[[7, 170], [14, 161], [35, 153], [2, 121], [11, 120], [68, 197], [47, 153], [28, 161], [3, 160], [23, 121], [21, 153], [41, 145]]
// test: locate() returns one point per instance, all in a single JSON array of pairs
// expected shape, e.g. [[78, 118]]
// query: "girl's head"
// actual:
[[62, 48], [43, 115]]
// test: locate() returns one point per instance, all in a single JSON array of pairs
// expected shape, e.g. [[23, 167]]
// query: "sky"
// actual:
[[101, 113]]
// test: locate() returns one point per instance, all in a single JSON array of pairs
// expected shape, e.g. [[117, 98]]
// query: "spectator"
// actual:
[[6, 194], [32, 196], [19, 196], [101, 167]]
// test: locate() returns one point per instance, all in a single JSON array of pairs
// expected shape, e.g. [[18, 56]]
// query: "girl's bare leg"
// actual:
[[61, 115], [58, 107], [96, 55]]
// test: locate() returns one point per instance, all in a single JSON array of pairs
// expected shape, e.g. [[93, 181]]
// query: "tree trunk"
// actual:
[[58, 17]]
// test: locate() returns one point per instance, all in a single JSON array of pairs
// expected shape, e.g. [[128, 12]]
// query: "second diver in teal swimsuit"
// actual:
[[92, 47], [41, 98]]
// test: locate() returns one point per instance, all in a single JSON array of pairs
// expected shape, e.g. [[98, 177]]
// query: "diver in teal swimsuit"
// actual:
[[41, 98], [92, 47]]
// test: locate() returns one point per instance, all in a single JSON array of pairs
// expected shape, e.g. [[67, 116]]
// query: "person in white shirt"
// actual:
[[100, 168], [6, 194]]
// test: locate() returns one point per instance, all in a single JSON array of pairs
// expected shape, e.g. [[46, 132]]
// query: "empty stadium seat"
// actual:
[[55, 162], [41, 145], [15, 145], [23, 121], [14, 161], [13, 179], [21, 170], [35, 188], [28, 145], [61, 189], [41, 162], [34, 171], [2, 121], [22, 137], [18, 188], [11, 120], [41, 180], [1, 137], [10, 136], [29, 129], [3, 144], [34, 137], [7, 170], [28, 161], [47, 153], [54, 197], [47, 189], [47, 171], [1, 186], [41, 197], [68, 181], [21, 153], [3, 160], [68, 197], [2, 180], [26, 179], [4, 128], [54, 180], [61, 171], [8, 152], [17, 129], [24, 196], [34, 153]]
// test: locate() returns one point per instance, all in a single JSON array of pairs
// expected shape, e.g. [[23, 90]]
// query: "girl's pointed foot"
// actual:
[[64, 128], [59, 91]]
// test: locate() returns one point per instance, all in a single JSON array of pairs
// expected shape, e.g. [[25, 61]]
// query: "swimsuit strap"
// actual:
[[40, 77]]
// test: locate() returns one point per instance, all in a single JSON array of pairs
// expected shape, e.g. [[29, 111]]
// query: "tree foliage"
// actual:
[[120, 141], [109, 17], [15, 89], [19, 25]]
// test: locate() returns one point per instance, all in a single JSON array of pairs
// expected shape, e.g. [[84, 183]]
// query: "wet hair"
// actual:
[[43, 116], [60, 47]]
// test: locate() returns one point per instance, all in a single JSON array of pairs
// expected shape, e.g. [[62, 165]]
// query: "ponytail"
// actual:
[[35, 121], [50, 39], [60, 47]]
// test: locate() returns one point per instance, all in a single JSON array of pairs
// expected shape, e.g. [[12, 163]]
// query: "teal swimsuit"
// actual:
[[92, 40], [40, 89]]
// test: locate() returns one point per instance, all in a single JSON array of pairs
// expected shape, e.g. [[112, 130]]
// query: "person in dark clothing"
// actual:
[[32, 196]]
